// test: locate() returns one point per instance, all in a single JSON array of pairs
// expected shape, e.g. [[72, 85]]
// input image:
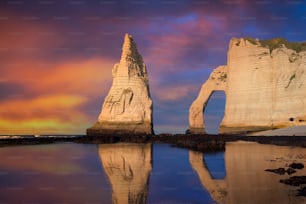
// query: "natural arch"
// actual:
[[216, 82]]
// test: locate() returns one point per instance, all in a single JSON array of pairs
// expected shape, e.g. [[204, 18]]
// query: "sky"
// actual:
[[56, 56]]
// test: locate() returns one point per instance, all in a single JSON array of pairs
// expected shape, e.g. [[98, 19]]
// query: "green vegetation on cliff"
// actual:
[[278, 42]]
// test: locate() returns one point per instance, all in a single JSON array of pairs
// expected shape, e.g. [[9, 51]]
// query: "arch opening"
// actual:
[[213, 112]]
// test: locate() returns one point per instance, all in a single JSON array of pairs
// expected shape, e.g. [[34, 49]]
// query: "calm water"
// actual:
[[145, 173]]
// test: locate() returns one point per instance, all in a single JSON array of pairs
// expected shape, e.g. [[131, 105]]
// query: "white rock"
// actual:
[[215, 82], [127, 109], [263, 90]]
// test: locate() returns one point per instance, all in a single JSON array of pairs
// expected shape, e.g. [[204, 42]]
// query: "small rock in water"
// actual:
[[290, 171], [302, 192], [280, 171], [297, 165], [294, 180]]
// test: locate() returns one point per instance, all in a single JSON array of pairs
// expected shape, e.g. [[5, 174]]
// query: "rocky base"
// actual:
[[196, 131], [199, 142], [117, 128]]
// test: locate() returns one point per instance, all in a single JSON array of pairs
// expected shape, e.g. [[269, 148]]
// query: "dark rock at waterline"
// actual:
[[294, 180], [187, 132], [282, 171], [302, 192], [297, 165], [290, 171]]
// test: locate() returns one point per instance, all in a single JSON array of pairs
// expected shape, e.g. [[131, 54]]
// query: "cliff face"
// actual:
[[265, 88], [128, 168], [127, 109]]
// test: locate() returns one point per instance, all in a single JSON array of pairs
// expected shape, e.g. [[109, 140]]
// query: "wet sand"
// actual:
[[290, 131]]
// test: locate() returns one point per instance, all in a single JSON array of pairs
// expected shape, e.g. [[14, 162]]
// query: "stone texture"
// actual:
[[128, 168], [264, 88], [127, 109]]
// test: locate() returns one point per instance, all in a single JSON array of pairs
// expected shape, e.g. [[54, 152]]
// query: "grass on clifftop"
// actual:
[[277, 42]]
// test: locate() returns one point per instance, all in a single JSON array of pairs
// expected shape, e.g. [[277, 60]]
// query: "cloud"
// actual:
[[80, 76], [43, 115], [53, 99]]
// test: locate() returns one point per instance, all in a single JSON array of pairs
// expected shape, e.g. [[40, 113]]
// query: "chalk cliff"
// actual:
[[264, 83], [127, 109], [128, 168]]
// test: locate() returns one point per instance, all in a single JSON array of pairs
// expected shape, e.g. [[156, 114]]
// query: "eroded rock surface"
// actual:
[[127, 109]]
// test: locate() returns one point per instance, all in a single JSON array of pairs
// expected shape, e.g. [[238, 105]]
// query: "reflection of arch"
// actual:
[[246, 180], [216, 82], [216, 188], [128, 168]]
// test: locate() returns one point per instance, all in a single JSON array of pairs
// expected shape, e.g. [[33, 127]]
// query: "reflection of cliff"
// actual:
[[128, 167], [246, 181]]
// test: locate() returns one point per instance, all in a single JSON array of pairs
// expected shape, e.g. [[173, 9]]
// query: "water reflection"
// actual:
[[246, 181], [55, 173], [121, 173], [216, 188], [128, 168]]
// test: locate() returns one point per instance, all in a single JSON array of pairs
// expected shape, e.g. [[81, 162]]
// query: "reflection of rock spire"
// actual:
[[128, 167], [127, 109], [216, 188]]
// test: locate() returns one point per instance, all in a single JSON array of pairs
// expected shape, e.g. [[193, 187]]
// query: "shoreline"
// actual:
[[199, 142]]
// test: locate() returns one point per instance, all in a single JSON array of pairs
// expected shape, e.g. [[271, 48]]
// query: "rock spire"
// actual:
[[127, 109]]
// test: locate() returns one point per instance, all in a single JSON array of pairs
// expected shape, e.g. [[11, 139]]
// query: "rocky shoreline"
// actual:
[[199, 142]]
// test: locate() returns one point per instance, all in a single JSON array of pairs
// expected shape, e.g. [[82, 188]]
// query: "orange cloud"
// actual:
[[53, 96], [42, 115], [41, 92], [80, 76]]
